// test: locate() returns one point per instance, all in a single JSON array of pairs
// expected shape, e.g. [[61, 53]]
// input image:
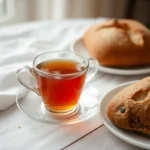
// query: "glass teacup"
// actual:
[[59, 78]]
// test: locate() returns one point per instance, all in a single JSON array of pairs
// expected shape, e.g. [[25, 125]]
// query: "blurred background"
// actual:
[[18, 11]]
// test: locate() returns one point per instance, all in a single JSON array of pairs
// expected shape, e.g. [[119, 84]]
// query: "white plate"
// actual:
[[79, 47], [136, 139]]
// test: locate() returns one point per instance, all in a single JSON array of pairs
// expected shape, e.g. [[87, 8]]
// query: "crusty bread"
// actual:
[[130, 108], [119, 43]]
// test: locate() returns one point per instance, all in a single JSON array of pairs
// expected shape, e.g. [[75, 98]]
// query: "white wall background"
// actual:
[[29, 10]]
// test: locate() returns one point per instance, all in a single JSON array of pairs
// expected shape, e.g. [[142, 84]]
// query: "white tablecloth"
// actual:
[[17, 131]]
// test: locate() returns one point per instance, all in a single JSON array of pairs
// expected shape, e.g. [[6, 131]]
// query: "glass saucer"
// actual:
[[32, 106]]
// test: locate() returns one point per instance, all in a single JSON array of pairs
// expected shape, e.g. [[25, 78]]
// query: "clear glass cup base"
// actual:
[[55, 114], [32, 105]]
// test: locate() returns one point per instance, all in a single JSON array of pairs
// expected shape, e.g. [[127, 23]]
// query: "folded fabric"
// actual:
[[12, 57], [20, 44]]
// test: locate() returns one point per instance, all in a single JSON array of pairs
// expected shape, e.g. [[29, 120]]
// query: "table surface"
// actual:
[[18, 131]]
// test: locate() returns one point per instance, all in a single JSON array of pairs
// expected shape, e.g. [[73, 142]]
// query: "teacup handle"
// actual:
[[94, 65], [22, 71]]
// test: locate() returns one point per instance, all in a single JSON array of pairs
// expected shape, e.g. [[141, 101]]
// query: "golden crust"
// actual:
[[135, 101], [119, 43]]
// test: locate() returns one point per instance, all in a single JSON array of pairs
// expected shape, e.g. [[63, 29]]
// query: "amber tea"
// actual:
[[59, 93]]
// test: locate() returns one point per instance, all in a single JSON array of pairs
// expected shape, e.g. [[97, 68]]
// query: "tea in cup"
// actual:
[[60, 77]]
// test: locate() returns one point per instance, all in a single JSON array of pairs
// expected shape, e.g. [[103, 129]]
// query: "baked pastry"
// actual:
[[119, 43], [130, 108]]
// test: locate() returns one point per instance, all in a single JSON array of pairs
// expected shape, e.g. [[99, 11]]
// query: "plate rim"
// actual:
[[114, 71], [110, 127]]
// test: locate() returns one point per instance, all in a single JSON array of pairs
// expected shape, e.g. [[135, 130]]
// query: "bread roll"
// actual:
[[119, 43], [130, 108]]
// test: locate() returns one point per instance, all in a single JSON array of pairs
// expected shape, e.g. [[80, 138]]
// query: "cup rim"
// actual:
[[60, 75]]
